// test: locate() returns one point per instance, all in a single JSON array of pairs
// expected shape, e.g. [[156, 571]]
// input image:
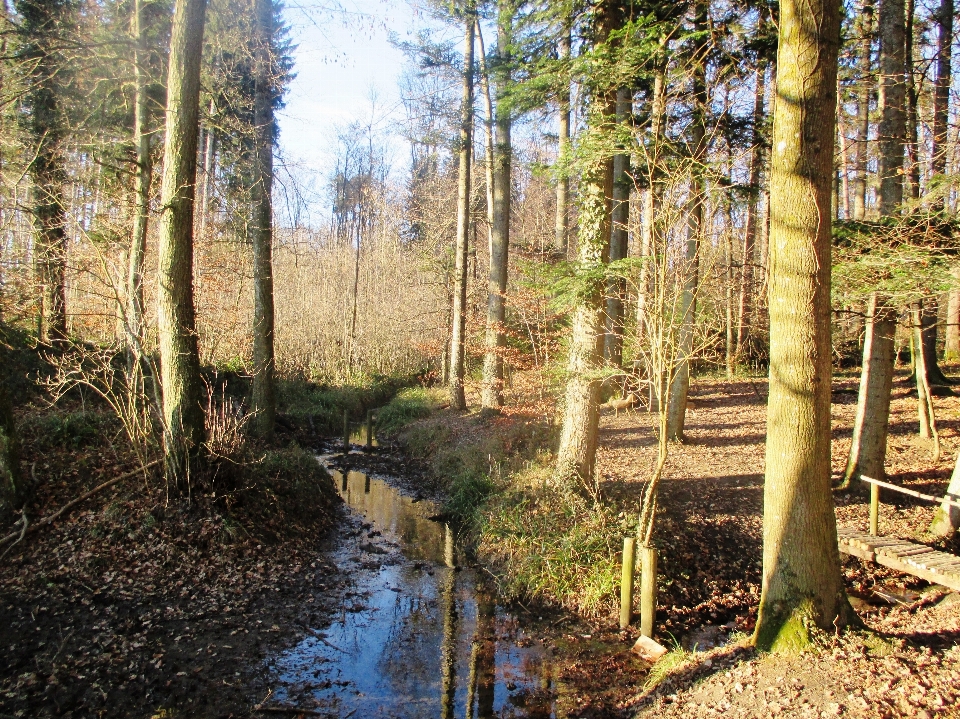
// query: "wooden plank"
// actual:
[[907, 552], [948, 499], [916, 559], [946, 580]]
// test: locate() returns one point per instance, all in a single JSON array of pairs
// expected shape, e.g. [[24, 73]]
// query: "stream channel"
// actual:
[[420, 633]]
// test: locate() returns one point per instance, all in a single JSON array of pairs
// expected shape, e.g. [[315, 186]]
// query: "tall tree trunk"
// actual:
[[690, 266], [866, 31], [912, 126], [578, 439], [869, 446], [941, 92], [264, 402], [928, 323], [622, 185], [500, 235], [458, 398], [745, 299], [892, 103], [40, 26], [143, 179], [176, 314], [13, 490], [562, 221], [802, 583]]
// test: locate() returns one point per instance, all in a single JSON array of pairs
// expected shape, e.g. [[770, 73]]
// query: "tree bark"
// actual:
[[13, 491], [690, 266], [458, 398], [500, 233], [912, 122], [869, 446], [143, 179], [622, 185], [578, 439], [951, 340], [562, 221], [892, 103], [802, 583], [40, 27], [866, 34], [264, 400], [745, 299], [176, 315], [946, 518], [941, 94]]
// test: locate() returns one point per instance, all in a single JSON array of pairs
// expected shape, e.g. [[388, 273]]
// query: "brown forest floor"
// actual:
[[710, 533]]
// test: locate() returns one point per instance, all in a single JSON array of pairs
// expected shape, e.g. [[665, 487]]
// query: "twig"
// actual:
[[290, 710], [70, 505], [23, 532]]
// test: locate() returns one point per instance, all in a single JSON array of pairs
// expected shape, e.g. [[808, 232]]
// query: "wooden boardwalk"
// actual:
[[908, 557]]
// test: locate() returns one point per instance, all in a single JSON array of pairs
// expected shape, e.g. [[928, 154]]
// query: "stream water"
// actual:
[[421, 633]]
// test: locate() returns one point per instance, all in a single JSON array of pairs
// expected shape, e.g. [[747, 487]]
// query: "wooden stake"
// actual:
[[626, 581], [874, 509], [346, 432], [648, 590], [369, 429]]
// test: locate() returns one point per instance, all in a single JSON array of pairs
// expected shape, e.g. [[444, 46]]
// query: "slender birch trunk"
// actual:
[[264, 401], [176, 315], [653, 195], [458, 398], [802, 584]]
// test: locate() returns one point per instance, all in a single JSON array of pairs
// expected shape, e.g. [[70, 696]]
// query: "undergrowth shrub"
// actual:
[[552, 546], [407, 406]]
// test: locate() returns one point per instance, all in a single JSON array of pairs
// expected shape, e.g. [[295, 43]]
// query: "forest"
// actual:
[[607, 374]]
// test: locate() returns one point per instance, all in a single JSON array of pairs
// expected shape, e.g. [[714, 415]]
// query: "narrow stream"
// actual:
[[421, 633]]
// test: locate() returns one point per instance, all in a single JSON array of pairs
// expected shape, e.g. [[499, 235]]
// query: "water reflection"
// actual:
[[419, 636]]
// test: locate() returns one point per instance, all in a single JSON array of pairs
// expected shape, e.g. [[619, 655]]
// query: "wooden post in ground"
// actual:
[[874, 509], [346, 432], [369, 429], [648, 590], [626, 581]]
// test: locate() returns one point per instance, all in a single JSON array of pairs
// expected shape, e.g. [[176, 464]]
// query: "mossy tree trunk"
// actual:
[[946, 518], [496, 339], [869, 446], [264, 402], [458, 398], [578, 440], [176, 315], [802, 583]]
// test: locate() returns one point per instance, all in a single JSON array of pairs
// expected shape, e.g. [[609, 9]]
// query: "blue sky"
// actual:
[[341, 57]]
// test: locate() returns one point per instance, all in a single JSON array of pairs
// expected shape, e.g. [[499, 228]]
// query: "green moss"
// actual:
[[786, 631]]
